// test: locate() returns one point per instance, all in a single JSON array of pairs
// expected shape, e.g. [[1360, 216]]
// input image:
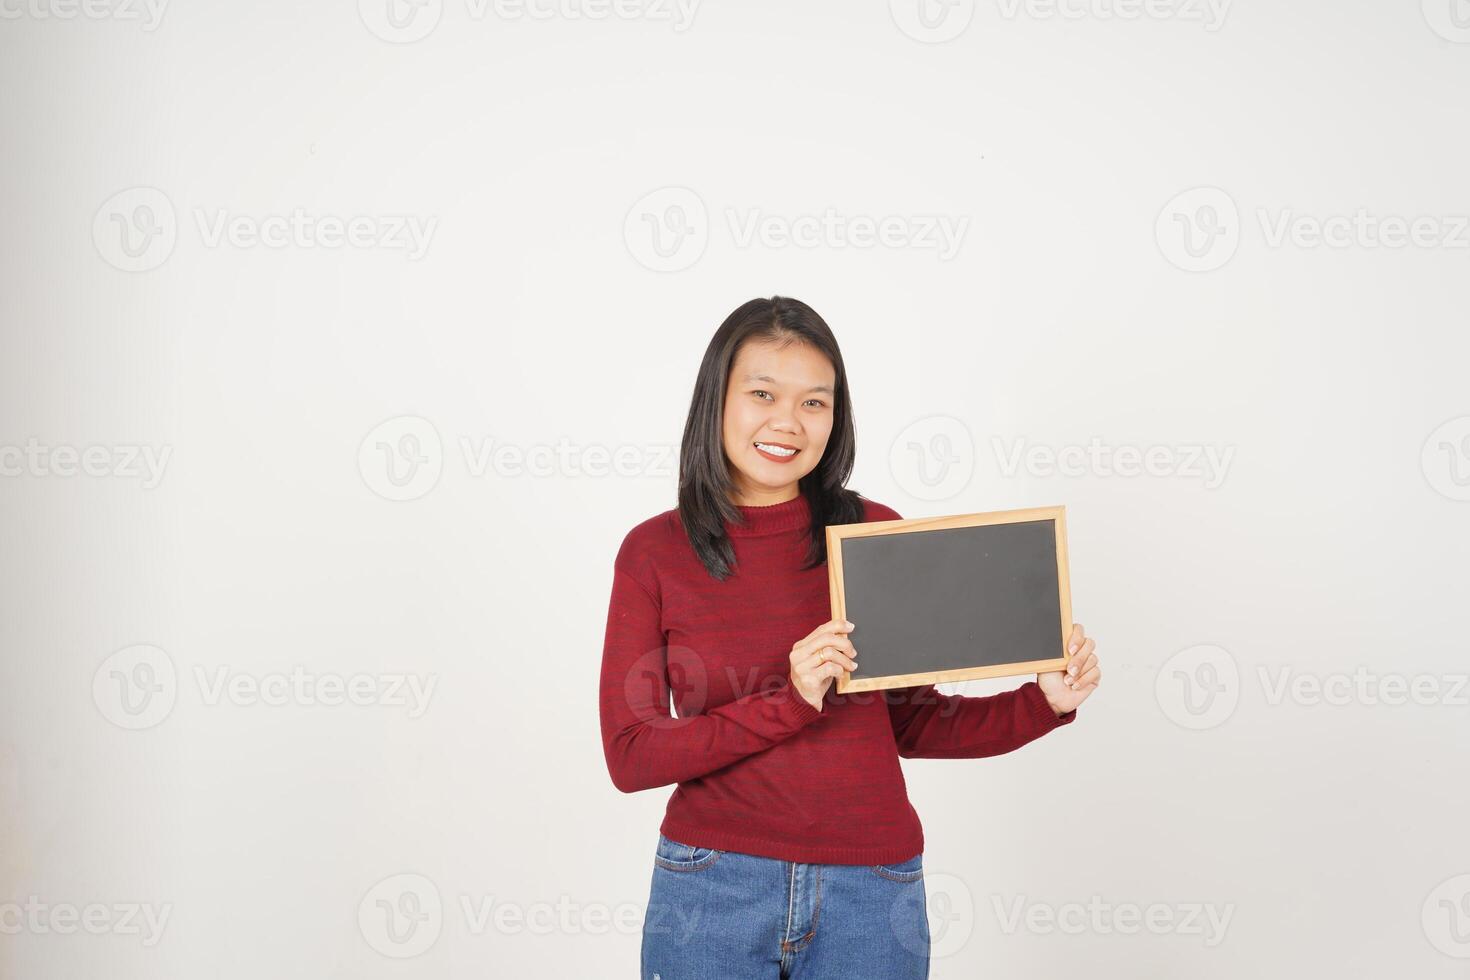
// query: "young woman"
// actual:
[[789, 847]]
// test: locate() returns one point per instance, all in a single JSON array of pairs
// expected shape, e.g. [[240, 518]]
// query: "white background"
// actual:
[[1087, 152]]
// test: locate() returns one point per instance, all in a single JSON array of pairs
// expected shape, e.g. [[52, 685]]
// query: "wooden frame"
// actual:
[[836, 534]]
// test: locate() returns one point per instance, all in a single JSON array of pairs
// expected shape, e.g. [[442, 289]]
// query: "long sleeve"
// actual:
[[644, 745], [931, 725]]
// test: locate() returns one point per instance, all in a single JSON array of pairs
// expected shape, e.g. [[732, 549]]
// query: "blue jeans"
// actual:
[[723, 915]]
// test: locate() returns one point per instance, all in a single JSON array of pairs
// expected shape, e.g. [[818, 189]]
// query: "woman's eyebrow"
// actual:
[[770, 380]]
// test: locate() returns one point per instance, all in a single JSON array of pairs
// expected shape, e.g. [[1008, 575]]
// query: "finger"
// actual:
[[833, 656], [1075, 642], [1088, 668], [826, 633], [1082, 659], [836, 646], [818, 676], [1090, 678], [807, 649], [840, 626], [828, 630], [812, 665]]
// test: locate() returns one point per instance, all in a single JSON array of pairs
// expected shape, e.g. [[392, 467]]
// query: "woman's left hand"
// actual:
[[1066, 689]]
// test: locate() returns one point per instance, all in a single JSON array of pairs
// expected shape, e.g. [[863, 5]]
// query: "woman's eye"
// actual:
[[810, 401]]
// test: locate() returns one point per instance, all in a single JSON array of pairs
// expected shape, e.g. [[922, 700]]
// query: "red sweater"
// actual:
[[759, 770]]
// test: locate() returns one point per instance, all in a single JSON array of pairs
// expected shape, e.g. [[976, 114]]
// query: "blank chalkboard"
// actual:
[[952, 598]]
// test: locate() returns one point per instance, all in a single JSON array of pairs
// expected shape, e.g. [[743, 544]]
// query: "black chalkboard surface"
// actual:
[[952, 598]]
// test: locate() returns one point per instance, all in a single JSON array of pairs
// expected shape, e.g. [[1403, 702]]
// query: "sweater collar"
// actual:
[[771, 518]]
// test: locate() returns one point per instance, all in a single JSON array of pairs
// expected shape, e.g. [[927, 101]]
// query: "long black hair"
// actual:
[[705, 481]]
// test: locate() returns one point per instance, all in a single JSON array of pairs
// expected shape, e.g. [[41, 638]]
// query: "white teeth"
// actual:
[[775, 450]]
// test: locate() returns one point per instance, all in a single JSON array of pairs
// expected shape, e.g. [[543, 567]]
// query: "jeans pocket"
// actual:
[[672, 855], [910, 870]]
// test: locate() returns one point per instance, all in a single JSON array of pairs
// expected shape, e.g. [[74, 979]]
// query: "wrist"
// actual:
[[804, 707]]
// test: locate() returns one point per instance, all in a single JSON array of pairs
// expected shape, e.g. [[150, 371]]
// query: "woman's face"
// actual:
[[778, 399]]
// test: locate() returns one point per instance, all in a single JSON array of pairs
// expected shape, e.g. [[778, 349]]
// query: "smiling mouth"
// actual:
[[777, 451]]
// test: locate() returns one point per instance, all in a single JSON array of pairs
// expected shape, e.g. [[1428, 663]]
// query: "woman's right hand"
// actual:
[[820, 656]]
